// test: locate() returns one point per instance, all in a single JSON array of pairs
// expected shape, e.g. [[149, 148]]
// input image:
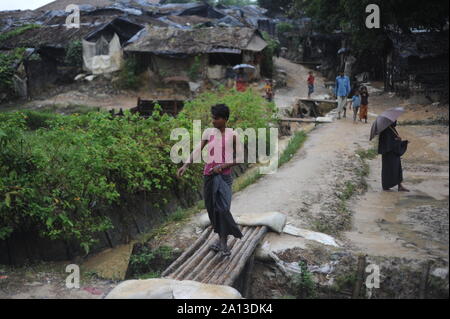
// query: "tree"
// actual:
[[405, 14], [279, 6]]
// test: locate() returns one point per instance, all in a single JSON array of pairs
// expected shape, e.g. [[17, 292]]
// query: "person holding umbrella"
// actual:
[[391, 147]]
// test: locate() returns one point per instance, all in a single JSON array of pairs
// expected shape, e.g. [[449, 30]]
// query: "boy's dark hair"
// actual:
[[221, 110]]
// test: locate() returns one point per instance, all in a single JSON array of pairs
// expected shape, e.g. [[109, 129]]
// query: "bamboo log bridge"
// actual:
[[318, 101], [200, 263], [300, 120]]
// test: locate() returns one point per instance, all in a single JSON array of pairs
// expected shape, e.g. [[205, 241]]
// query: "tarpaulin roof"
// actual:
[[124, 28], [204, 40], [62, 4], [12, 19], [47, 36]]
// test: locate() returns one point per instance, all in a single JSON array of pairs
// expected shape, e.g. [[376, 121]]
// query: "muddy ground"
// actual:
[[331, 186]]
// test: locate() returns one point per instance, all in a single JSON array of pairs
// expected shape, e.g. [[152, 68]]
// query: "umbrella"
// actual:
[[384, 120], [243, 66], [342, 50]]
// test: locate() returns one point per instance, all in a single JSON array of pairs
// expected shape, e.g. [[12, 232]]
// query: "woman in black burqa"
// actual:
[[391, 147]]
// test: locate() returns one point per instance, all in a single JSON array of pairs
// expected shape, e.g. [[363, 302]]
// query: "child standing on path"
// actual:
[[268, 88], [217, 177], [363, 112], [356, 103], [310, 81]]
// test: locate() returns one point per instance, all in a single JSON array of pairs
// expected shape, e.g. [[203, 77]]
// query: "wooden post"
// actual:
[[190, 264], [187, 253], [359, 276], [229, 278], [229, 264], [10, 258], [248, 270], [108, 238], [423, 289]]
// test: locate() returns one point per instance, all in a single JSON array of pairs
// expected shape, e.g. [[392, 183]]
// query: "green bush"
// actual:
[[195, 69], [60, 174], [7, 69], [283, 27], [16, 32], [304, 284], [74, 54], [151, 262], [129, 75]]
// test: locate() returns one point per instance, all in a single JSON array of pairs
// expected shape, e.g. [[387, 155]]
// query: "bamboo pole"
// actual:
[[201, 253], [228, 267], [248, 270], [181, 266], [199, 263], [203, 263], [188, 252], [424, 280], [209, 268], [359, 276], [231, 276], [214, 276]]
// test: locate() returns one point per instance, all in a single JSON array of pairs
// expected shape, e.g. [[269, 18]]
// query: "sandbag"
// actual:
[[274, 220], [171, 289]]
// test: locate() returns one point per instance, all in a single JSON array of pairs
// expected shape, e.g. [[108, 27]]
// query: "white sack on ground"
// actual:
[[311, 235], [171, 289]]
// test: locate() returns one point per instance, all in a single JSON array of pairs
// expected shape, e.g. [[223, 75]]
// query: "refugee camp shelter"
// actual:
[[204, 53], [418, 64], [105, 31]]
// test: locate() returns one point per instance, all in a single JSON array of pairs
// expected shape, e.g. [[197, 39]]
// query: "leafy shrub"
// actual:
[[60, 174], [74, 54], [16, 32], [151, 261], [283, 27], [304, 283], [35, 120], [195, 69], [7, 69], [128, 75]]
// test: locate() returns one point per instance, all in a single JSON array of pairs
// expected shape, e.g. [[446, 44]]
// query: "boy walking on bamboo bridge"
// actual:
[[217, 177]]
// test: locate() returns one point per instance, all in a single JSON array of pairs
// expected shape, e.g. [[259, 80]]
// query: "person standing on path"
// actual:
[[217, 189], [241, 80], [342, 90], [356, 103], [310, 81], [391, 147], [364, 110]]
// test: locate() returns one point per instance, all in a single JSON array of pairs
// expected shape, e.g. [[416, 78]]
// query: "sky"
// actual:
[[22, 4]]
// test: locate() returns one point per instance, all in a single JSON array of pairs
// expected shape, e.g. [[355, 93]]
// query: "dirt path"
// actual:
[[296, 84], [411, 225]]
